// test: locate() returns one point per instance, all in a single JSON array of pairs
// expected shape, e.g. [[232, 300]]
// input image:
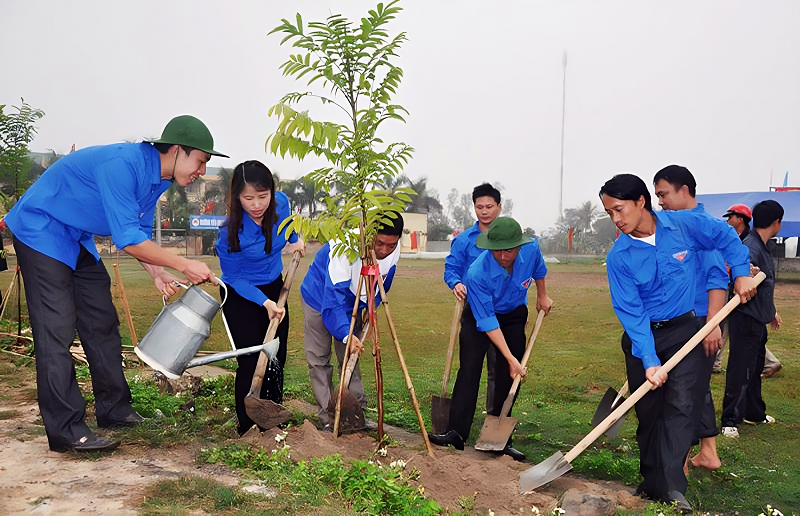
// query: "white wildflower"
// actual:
[[226, 409], [535, 510], [382, 452], [280, 437], [491, 512]]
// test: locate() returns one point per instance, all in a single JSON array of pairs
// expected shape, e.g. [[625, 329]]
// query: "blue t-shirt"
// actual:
[[492, 290], [330, 287], [657, 283], [104, 190], [253, 266], [463, 252]]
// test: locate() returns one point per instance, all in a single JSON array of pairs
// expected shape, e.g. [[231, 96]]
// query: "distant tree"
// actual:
[[17, 131], [530, 232], [507, 202]]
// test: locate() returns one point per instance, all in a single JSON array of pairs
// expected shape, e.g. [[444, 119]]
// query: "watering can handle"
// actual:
[[219, 282]]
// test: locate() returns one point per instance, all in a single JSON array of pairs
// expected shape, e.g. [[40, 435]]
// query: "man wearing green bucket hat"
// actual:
[[497, 291], [108, 190]]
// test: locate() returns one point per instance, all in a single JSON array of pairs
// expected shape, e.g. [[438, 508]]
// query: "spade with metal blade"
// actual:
[[496, 430], [611, 399], [558, 464], [266, 413], [440, 405], [351, 415]]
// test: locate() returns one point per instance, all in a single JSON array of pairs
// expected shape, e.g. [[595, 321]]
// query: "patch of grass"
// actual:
[[186, 493], [7, 414], [608, 465], [364, 487]]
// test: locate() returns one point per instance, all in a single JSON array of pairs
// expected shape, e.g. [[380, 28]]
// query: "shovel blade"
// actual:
[[440, 414], [495, 433], [351, 417], [266, 413], [544, 472], [605, 409]]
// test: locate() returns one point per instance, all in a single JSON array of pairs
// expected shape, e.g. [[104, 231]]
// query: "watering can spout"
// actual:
[[232, 354]]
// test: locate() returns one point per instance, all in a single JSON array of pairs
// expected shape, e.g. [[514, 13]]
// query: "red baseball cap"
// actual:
[[739, 209]]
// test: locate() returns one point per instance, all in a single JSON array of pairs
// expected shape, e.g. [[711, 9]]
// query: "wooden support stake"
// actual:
[[385, 301], [8, 292], [124, 300]]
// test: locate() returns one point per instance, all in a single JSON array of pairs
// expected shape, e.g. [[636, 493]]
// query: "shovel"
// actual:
[[267, 413], [351, 415], [496, 430], [609, 402], [558, 464], [440, 405]]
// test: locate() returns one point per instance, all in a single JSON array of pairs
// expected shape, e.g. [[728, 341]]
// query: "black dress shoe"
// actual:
[[514, 453], [89, 443], [680, 501], [451, 438], [129, 420]]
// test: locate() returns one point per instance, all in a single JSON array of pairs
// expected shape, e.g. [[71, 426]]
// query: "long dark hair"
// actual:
[[627, 187], [257, 175]]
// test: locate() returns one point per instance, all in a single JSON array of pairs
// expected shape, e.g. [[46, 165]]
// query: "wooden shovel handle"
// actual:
[[261, 367], [455, 327], [647, 386], [517, 379]]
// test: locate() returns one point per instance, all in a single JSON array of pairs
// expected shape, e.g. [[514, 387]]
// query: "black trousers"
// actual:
[[474, 345], [743, 377], [668, 415], [248, 324], [59, 301], [707, 424]]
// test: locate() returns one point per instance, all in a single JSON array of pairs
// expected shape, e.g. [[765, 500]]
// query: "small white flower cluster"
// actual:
[[398, 464], [771, 512], [535, 510], [280, 437], [558, 510]]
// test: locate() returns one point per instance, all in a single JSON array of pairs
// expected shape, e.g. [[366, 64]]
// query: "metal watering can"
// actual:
[[181, 328]]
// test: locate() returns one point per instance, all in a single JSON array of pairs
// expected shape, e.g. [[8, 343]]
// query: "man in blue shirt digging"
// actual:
[[463, 252], [497, 289], [105, 190]]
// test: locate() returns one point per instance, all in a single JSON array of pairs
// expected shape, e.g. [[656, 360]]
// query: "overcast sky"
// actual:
[[712, 85]]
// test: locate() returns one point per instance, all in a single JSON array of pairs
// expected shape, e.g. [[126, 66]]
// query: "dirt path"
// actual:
[[34, 480]]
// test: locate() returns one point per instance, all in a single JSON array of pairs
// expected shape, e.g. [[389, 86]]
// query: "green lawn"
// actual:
[[576, 357]]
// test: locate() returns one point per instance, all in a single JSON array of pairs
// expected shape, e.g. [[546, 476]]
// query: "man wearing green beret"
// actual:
[[497, 290], [108, 190]]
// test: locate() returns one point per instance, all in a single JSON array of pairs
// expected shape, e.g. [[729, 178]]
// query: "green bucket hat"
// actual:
[[191, 132], [504, 233]]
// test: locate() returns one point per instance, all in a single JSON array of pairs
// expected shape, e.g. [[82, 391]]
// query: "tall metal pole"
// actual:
[[563, 112]]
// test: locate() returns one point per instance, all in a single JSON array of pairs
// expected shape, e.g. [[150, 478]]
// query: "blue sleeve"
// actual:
[[716, 273], [539, 266], [480, 299], [631, 313], [117, 184], [337, 299], [706, 232], [233, 267], [284, 211], [454, 263]]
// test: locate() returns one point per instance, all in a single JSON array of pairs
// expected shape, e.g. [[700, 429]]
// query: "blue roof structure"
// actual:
[[717, 204]]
